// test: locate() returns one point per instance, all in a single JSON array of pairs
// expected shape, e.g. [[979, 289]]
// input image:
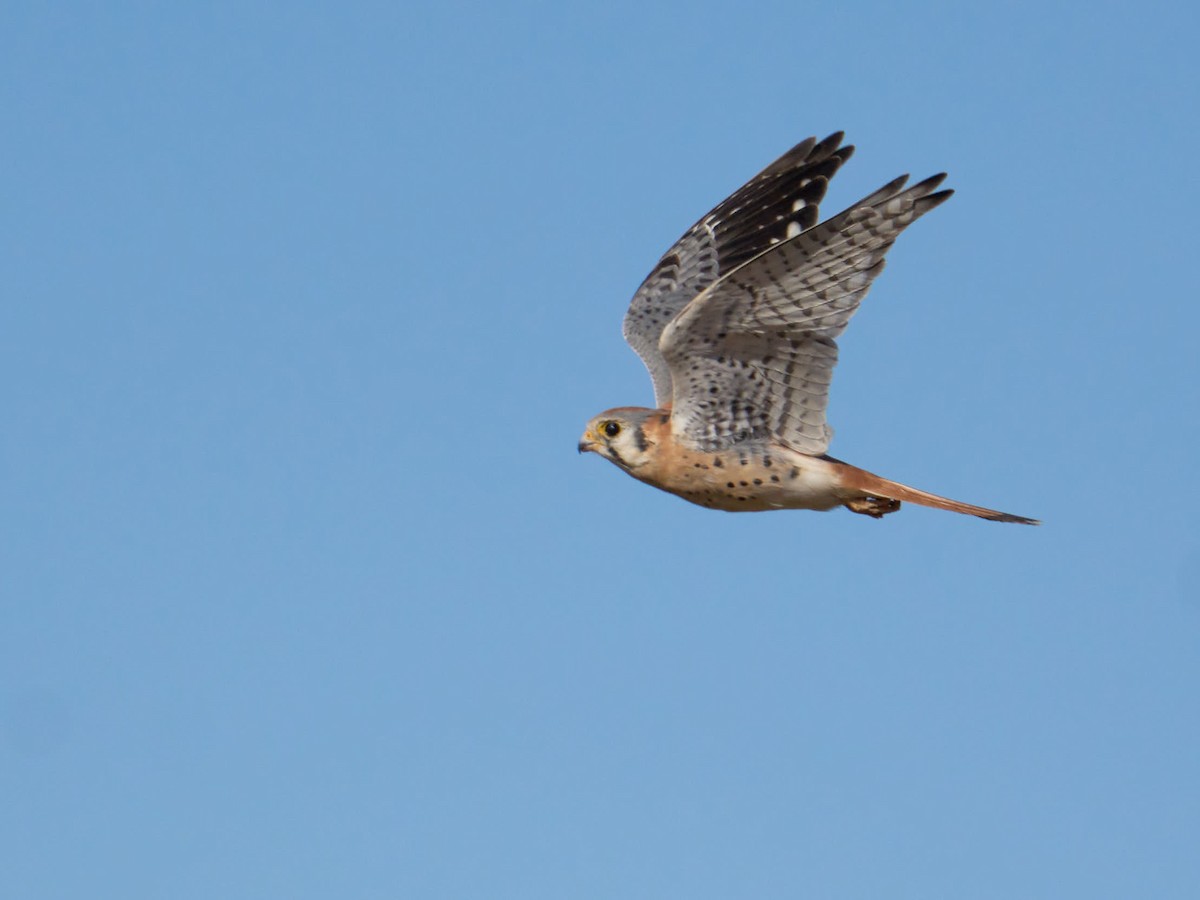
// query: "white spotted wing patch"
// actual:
[[753, 356], [779, 202]]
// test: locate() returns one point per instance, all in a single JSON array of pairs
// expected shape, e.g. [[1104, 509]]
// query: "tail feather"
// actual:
[[868, 484]]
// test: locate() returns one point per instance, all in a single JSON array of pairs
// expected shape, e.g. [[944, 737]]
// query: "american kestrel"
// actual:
[[737, 324]]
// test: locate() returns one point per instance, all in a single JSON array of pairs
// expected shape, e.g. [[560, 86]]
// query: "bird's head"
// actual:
[[620, 435]]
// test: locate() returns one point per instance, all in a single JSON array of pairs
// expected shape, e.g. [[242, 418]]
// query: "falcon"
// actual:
[[738, 326]]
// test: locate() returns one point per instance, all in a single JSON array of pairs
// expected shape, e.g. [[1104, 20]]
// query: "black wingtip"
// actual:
[[928, 202], [804, 148], [929, 184], [830, 143]]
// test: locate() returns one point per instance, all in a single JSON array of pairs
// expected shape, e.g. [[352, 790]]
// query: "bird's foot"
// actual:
[[875, 507]]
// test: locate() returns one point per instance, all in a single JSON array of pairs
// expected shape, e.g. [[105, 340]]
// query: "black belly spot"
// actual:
[[795, 473]]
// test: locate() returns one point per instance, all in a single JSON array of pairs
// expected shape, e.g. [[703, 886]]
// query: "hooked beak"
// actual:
[[587, 445]]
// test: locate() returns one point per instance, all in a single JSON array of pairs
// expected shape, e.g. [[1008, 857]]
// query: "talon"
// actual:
[[875, 507]]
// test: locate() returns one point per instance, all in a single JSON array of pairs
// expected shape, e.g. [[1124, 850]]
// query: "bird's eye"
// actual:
[[612, 429]]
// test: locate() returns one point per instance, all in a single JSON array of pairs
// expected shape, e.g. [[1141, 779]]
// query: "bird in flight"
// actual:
[[737, 325]]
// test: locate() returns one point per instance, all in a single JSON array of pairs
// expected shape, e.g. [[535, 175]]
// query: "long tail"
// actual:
[[871, 485]]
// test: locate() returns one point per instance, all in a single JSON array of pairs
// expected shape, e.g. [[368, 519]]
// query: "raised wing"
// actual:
[[776, 204], [752, 356]]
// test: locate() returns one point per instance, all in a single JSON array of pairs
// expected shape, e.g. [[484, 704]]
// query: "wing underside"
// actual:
[[752, 356], [780, 202]]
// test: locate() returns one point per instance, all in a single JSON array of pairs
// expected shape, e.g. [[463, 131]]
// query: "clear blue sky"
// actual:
[[305, 593]]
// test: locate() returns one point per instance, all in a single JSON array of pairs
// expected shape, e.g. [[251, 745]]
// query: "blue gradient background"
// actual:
[[304, 591]]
